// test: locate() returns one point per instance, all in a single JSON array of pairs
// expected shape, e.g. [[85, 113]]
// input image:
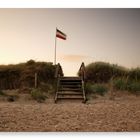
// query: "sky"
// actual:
[[109, 35]]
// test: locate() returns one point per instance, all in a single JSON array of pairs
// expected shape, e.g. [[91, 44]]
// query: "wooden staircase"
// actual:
[[70, 88]]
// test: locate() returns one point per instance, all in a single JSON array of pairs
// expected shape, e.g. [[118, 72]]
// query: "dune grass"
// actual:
[[95, 88], [23, 74], [38, 95], [123, 79]]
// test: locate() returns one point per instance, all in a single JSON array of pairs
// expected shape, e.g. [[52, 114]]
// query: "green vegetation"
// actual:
[[120, 84], [89, 88], [122, 78], [123, 84], [46, 87], [100, 72], [23, 74], [133, 87], [38, 95], [96, 88]]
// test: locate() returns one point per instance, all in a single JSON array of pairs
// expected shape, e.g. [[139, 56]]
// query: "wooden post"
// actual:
[[55, 49], [36, 80], [112, 92], [136, 76]]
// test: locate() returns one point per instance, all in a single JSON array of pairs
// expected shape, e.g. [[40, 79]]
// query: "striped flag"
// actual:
[[60, 34]]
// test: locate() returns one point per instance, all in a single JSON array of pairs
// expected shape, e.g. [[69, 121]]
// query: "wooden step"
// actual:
[[69, 93], [71, 78], [70, 89], [80, 98], [70, 82], [70, 86]]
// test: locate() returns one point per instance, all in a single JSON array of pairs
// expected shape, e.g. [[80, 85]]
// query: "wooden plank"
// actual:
[[36, 80]]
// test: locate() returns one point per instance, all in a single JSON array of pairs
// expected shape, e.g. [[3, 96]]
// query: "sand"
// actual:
[[102, 115]]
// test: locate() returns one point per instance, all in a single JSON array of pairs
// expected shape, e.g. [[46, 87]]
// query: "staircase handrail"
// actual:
[[82, 71], [58, 71], [58, 74]]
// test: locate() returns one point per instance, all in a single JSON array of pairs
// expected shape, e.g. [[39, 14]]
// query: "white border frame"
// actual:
[[69, 3]]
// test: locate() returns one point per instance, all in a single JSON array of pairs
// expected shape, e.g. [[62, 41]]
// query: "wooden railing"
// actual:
[[58, 74], [82, 75], [58, 71], [82, 71]]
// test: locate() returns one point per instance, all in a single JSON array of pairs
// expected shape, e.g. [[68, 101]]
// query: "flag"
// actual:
[[60, 34]]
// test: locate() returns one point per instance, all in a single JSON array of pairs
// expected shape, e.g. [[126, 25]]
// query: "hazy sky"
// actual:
[[111, 35]]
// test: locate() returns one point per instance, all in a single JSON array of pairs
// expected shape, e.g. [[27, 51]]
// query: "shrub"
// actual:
[[134, 87], [98, 88], [100, 72], [120, 84], [123, 84], [88, 88], [23, 74], [30, 62], [134, 74], [38, 95], [45, 87], [95, 88]]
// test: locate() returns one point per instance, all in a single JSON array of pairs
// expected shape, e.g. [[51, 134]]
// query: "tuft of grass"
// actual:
[[120, 84], [133, 87], [96, 88], [89, 88], [134, 74], [130, 85], [38, 95], [45, 87]]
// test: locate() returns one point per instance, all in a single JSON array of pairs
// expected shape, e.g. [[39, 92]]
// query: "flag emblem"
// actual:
[[60, 34]]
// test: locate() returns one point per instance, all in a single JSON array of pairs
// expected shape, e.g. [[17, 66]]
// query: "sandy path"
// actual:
[[120, 115]]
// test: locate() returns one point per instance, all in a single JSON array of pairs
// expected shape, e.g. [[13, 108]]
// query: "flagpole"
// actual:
[[55, 49]]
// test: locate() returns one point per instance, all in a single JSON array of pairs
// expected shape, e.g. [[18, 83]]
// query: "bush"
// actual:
[[123, 84], [100, 89], [30, 62], [95, 88], [88, 88], [38, 95], [134, 74], [134, 87], [120, 84], [100, 72], [45, 87], [23, 74]]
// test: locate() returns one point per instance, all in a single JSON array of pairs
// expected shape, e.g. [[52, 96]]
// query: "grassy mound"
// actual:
[[100, 72], [122, 78], [23, 74]]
